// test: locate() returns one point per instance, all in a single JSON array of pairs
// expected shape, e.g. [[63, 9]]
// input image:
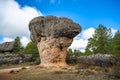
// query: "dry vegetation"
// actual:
[[72, 73], [6, 66]]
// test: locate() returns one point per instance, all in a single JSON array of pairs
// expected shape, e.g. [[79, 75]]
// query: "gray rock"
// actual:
[[37, 61], [7, 46], [53, 36], [54, 27], [14, 58], [98, 60], [9, 59], [27, 57]]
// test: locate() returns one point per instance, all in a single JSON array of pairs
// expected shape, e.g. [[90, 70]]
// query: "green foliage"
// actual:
[[100, 41], [77, 53], [69, 59], [69, 52], [18, 46], [87, 52], [31, 48], [72, 55], [116, 44]]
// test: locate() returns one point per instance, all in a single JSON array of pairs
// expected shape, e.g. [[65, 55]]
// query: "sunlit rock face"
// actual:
[[53, 36]]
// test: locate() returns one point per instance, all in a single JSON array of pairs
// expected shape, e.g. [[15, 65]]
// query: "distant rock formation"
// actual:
[[53, 36], [103, 60], [7, 56], [14, 58], [7, 46]]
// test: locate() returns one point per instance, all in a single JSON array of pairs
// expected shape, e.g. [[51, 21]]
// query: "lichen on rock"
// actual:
[[53, 36], [103, 60]]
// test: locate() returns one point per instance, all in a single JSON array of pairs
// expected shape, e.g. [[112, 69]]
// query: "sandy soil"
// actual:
[[9, 69], [40, 73]]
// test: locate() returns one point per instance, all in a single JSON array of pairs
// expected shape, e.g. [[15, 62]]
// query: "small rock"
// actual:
[[23, 68], [12, 71]]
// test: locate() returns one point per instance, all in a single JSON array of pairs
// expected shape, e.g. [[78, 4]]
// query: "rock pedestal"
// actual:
[[53, 36]]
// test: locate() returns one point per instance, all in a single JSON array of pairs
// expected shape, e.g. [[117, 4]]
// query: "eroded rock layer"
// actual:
[[53, 36], [7, 46]]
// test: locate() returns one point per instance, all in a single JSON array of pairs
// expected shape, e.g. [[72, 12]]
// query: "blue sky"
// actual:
[[16, 14], [88, 13]]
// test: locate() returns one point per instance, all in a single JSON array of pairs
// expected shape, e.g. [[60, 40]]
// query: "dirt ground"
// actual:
[[51, 73]]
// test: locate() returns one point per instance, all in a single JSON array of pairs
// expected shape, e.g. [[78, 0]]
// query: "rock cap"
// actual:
[[52, 26]]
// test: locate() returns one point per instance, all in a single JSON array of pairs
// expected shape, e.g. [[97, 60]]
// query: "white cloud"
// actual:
[[24, 41], [7, 39], [113, 31], [14, 20], [79, 44], [81, 40], [88, 33]]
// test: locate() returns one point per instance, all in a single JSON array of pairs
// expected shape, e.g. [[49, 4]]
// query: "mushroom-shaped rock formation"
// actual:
[[53, 36]]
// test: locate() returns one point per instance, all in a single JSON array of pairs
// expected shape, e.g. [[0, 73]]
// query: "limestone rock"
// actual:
[[27, 57], [9, 58], [53, 36], [7, 46], [98, 60]]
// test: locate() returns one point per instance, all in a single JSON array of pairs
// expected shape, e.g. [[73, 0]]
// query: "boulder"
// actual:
[[9, 59], [53, 36], [7, 46], [27, 57], [103, 60]]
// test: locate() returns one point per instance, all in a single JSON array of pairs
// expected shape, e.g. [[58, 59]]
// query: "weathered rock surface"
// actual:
[[53, 36], [7, 56], [14, 58], [27, 58], [7, 46], [98, 60]]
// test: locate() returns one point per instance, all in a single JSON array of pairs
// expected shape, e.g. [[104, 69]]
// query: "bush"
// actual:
[[31, 48]]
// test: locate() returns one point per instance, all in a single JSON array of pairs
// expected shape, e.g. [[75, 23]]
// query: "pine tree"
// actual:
[[116, 44], [100, 41], [17, 46], [31, 48]]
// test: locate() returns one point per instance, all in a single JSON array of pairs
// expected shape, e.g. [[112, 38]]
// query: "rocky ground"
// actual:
[[71, 73], [93, 67]]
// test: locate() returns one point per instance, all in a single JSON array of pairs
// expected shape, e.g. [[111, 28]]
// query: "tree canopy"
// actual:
[[116, 44], [18, 46], [31, 48], [99, 42]]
